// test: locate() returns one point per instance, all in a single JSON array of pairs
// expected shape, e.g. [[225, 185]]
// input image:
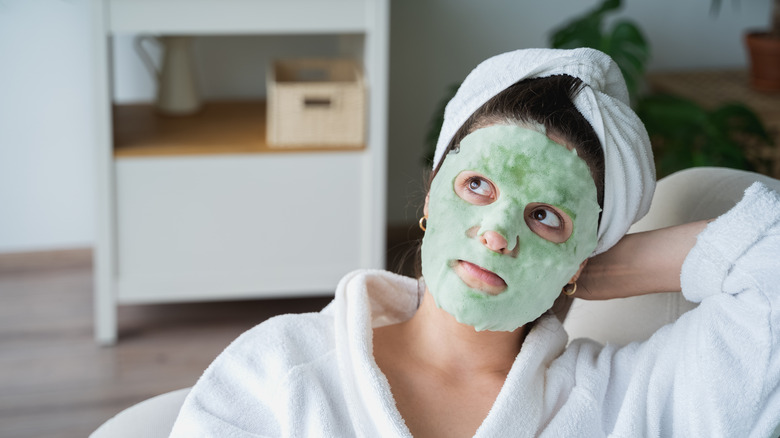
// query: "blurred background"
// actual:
[[46, 116]]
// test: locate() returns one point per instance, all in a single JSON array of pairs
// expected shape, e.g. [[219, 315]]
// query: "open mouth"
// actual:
[[479, 278]]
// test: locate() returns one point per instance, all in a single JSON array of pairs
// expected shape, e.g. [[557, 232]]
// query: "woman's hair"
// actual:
[[547, 101]]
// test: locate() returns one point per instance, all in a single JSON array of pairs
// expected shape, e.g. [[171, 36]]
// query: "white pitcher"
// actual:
[[177, 87]]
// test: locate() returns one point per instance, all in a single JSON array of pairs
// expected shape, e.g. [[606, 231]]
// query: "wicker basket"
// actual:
[[316, 102]]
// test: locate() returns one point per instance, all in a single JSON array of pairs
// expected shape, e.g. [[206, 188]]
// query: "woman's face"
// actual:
[[511, 217]]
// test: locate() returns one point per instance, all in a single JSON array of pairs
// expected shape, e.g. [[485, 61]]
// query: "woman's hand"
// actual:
[[641, 263]]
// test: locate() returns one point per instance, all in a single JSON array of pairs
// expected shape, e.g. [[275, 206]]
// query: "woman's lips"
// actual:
[[478, 278]]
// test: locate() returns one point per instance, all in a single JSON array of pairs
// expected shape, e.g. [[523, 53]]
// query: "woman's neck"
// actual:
[[433, 337], [445, 376]]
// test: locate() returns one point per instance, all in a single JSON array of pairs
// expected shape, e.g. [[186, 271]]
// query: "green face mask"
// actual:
[[538, 196]]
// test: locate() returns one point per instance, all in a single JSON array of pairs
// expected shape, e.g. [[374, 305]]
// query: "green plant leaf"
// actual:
[[581, 33], [625, 42], [629, 49], [739, 118], [434, 126], [667, 113], [584, 31], [628, 45], [684, 134]]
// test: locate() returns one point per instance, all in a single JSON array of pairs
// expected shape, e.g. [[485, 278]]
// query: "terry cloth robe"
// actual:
[[713, 373]]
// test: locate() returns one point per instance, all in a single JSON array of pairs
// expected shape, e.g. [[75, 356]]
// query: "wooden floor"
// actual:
[[56, 382]]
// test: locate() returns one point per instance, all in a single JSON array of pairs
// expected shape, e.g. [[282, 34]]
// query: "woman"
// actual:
[[520, 200]]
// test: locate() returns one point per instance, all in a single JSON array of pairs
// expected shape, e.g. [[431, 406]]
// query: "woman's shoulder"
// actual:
[[282, 343], [247, 386]]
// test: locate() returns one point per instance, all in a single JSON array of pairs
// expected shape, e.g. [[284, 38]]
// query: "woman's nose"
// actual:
[[494, 241]]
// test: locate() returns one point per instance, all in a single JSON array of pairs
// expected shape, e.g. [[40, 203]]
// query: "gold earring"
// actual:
[[420, 223], [568, 290]]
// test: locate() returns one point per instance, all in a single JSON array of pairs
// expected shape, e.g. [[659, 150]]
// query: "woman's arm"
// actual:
[[641, 263]]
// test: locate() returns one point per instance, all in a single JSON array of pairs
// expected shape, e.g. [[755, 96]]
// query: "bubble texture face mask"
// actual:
[[526, 167]]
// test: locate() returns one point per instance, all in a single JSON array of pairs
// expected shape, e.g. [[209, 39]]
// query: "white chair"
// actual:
[[151, 418], [689, 195], [686, 196]]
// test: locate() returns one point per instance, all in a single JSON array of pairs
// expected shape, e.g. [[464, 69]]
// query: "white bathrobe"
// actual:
[[713, 373]]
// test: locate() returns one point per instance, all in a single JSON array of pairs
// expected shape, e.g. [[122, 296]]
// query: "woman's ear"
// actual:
[[425, 206], [579, 271]]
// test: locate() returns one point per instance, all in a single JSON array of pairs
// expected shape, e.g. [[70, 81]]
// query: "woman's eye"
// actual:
[[475, 188], [480, 186], [547, 217], [548, 222]]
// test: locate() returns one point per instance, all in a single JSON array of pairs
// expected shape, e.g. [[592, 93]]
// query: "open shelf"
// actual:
[[201, 208], [227, 127]]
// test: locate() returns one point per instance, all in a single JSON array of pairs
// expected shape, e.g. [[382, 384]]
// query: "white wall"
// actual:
[[46, 139], [46, 143]]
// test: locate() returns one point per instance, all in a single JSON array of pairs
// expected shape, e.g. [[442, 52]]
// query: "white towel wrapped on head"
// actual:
[[629, 177]]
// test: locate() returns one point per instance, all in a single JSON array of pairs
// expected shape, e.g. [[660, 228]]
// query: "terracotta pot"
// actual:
[[764, 51]]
